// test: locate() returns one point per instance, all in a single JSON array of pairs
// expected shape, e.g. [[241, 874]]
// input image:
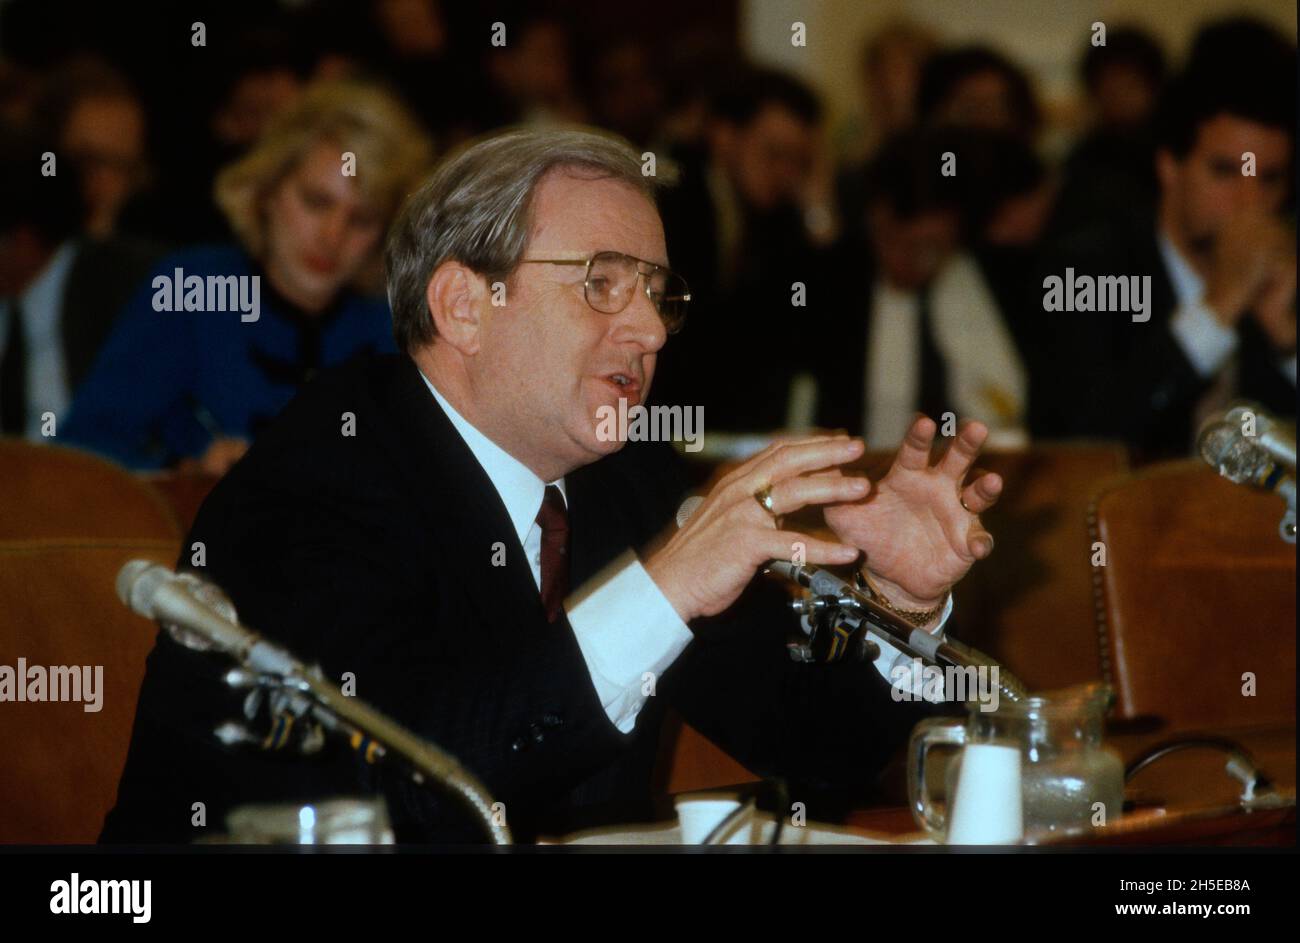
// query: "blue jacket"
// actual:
[[168, 382]]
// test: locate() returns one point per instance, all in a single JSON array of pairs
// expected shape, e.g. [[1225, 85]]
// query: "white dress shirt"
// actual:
[[986, 378], [1208, 343], [42, 307], [626, 629]]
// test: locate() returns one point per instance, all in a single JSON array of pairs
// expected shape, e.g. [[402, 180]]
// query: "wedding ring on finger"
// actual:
[[964, 506], [764, 498]]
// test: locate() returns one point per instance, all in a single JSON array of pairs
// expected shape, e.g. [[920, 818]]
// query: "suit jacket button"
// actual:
[[536, 733]]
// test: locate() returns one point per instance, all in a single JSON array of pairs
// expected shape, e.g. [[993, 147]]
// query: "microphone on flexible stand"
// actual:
[[836, 612], [1258, 461], [1266, 431], [200, 616]]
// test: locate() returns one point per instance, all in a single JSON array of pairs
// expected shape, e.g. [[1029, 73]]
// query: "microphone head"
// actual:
[[1231, 454], [137, 583], [1245, 411]]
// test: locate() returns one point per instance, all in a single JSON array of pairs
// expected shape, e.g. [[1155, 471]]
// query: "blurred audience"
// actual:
[[627, 94], [843, 295], [532, 73], [60, 286], [1111, 172], [309, 205], [889, 78], [1007, 195], [976, 87], [918, 327], [248, 83], [1220, 253], [95, 121], [741, 224]]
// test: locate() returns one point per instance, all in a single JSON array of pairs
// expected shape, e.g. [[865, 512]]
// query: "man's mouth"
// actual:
[[627, 386]]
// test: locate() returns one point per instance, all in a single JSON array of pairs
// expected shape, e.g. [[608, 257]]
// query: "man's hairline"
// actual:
[[567, 167], [597, 174], [1198, 129]]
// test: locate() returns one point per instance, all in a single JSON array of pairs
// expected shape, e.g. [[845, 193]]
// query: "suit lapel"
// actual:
[[459, 502], [466, 514]]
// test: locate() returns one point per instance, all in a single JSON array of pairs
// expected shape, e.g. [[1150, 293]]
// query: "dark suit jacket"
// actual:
[[372, 555], [1102, 374], [744, 341], [104, 275], [844, 332], [844, 339]]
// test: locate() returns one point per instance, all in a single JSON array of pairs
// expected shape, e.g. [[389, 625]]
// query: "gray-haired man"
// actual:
[[467, 548]]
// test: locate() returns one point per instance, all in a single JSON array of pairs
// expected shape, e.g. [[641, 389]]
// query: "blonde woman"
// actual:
[[219, 338]]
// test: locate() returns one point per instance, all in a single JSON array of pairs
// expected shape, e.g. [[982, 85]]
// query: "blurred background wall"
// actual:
[[1047, 37]]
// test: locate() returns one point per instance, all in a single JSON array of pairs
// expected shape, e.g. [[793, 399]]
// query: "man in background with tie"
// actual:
[[1220, 254], [60, 288], [917, 327], [449, 536]]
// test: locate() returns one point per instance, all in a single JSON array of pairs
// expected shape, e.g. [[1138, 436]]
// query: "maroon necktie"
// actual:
[[553, 519]]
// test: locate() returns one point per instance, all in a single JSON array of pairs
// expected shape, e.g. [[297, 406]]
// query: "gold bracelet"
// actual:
[[916, 617]]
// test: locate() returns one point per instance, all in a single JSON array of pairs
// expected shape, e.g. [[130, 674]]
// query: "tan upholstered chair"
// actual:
[[58, 607], [47, 491], [68, 521], [1197, 592], [184, 493]]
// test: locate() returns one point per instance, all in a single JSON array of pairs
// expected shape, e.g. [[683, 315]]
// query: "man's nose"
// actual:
[[641, 324]]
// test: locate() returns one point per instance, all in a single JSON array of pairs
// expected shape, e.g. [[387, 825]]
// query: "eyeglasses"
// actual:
[[611, 281]]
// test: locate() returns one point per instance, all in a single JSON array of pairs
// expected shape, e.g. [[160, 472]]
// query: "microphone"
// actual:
[[1271, 435], [199, 616], [857, 611], [860, 612], [1252, 460], [1240, 460]]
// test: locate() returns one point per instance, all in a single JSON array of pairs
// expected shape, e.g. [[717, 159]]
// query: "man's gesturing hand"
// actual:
[[706, 564], [917, 536]]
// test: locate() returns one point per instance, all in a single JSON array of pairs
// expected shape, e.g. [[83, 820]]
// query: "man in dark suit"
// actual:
[[917, 326], [1220, 320], [414, 523], [738, 225], [60, 290]]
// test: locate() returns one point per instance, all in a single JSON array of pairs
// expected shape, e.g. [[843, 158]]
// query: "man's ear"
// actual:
[[455, 296]]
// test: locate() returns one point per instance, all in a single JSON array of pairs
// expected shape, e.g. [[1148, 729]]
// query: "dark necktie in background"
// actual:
[[13, 375], [933, 396], [553, 519]]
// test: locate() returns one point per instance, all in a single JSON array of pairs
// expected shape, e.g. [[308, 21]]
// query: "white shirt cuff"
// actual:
[[628, 633], [892, 663], [1206, 341]]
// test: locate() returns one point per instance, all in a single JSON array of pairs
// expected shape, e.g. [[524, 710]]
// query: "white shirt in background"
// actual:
[[42, 307], [986, 378], [1208, 343]]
